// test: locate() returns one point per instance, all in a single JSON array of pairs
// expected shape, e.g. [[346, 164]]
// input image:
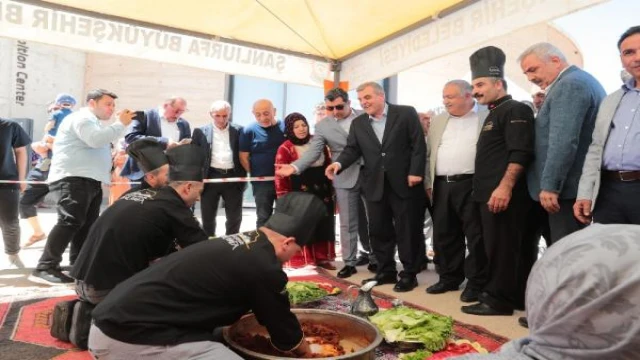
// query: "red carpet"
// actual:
[[24, 326]]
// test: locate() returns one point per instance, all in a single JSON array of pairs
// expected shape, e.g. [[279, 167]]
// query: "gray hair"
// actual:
[[172, 100], [462, 85], [219, 105], [377, 88], [545, 51]]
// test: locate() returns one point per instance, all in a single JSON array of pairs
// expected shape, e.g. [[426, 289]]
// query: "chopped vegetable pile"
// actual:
[[304, 291], [411, 325], [416, 355]]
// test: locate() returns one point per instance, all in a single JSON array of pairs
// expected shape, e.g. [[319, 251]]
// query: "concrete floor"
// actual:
[[14, 283]]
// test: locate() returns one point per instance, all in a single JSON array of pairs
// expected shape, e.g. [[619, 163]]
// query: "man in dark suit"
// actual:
[[390, 140], [220, 139], [163, 123]]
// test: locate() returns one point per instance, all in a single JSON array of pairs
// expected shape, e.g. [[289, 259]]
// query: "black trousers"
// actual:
[[231, 193], [508, 247], [79, 202], [264, 194], [618, 202], [33, 194], [455, 217], [9, 222], [393, 221]]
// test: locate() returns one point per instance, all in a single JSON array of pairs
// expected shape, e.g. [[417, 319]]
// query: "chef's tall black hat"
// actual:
[[186, 163], [148, 153], [297, 214], [487, 62]]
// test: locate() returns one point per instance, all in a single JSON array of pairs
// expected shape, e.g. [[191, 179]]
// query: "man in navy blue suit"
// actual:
[[163, 123]]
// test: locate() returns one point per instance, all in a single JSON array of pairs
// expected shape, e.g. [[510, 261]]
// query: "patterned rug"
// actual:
[[25, 324], [341, 302]]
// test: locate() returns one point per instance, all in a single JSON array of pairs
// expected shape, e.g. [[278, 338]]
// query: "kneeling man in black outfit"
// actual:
[[170, 310]]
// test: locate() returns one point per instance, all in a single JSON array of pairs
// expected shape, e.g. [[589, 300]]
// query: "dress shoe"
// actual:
[[373, 268], [388, 278], [346, 271], [441, 288], [327, 265], [406, 283], [362, 260], [469, 295], [483, 309], [523, 322]]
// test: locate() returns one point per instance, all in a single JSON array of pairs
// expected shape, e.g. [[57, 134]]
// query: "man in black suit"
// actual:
[[163, 123], [220, 140], [390, 140]]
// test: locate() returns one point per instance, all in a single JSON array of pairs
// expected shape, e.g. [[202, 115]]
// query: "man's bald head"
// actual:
[[264, 112]]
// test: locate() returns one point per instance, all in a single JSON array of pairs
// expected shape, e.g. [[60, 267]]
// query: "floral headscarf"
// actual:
[[583, 299], [288, 128]]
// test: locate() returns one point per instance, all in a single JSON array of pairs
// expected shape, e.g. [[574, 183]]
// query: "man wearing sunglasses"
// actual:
[[353, 219], [165, 124]]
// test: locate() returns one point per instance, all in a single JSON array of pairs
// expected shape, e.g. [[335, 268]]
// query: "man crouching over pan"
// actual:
[[170, 310]]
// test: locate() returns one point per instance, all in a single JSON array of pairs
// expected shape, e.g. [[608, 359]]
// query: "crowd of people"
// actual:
[[495, 174]]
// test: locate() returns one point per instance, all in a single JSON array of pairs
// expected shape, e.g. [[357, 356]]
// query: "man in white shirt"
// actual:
[[451, 151], [81, 163], [163, 123], [220, 139]]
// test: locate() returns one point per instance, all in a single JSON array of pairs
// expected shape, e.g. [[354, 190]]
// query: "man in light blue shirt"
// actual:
[[610, 181], [81, 162]]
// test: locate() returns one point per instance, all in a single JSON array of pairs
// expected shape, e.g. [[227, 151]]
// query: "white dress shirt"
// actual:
[[221, 154], [457, 150], [168, 129]]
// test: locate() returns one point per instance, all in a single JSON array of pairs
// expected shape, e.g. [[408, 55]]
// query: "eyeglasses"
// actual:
[[337, 107]]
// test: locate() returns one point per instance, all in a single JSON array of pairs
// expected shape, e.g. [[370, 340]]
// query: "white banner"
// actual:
[[467, 27], [35, 23]]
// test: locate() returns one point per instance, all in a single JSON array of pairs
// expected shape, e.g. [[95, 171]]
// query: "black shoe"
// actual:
[[523, 322], [362, 260], [346, 271], [483, 309], [469, 295], [388, 278], [441, 288], [406, 283], [373, 268], [50, 277]]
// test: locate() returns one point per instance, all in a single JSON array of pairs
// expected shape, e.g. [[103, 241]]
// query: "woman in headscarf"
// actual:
[[312, 180], [583, 299]]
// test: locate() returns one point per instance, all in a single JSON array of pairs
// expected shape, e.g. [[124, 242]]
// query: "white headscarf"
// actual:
[[583, 299]]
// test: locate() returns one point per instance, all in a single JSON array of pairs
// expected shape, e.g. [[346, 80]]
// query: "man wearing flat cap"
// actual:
[[172, 308], [142, 225], [504, 151]]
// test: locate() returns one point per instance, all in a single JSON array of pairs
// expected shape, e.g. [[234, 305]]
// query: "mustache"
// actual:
[[477, 96]]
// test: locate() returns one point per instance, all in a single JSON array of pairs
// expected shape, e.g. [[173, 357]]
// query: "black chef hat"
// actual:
[[148, 153], [186, 163], [297, 214], [487, 62]]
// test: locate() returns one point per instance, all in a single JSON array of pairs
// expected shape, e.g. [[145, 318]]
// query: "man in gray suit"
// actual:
[[333, 133], [563, 129], [611, 172], [451, 152]]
